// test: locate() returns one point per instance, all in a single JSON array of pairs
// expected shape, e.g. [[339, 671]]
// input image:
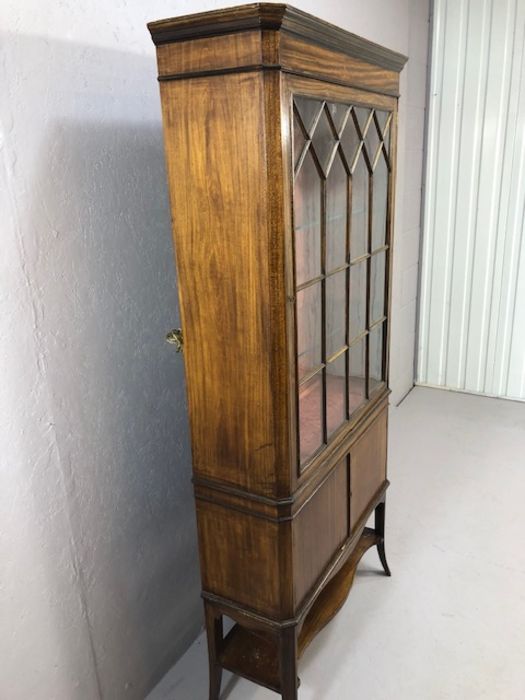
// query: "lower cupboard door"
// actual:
[[367, 467], [320, 529]]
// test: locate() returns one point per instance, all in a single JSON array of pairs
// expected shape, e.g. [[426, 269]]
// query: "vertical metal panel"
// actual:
[[472, 305]]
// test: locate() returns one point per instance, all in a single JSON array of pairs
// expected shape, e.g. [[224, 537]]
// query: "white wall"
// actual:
[[472, 333], [99, 577], [412, 110], [99, 583]]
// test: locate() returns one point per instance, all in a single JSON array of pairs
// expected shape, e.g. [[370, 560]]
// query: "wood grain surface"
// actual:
[[279, 543]]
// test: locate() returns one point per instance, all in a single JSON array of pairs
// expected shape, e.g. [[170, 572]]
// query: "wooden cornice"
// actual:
[[274, 17]]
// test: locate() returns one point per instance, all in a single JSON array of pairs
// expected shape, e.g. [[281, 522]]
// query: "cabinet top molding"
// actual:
[[273, 17]]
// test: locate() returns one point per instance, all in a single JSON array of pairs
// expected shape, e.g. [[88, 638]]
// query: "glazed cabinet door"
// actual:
[[341, 194]]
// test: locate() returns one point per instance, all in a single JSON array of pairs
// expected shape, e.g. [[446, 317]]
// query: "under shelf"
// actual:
[[253, 655]]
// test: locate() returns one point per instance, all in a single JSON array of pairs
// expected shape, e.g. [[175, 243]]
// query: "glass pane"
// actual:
[[359, 225], [336, 393], [310, 417], [357, 300], [376, 357], [335, 291], [307, 222], [357, 376], [377, 286], [309, 321], [350, 141], [379, 206], [363, 115], [298, 140], [323, 141], [308, 111], [336, 209], [382, 118], [372, 141], [339, 114]]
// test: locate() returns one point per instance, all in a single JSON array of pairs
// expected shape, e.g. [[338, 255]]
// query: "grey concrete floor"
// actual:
[[450, 623]]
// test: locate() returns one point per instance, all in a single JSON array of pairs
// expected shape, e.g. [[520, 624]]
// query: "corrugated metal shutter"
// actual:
[[472, 306]]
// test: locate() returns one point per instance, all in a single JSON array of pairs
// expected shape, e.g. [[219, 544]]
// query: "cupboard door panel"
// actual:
[[376, 373], [357, 375], [367, 467], [341, 173], [357, 300], [360, 199], [335, 291], [377, 286], [379, 204], [336, 215], [307, 221], [336, 393], [311, 417], [320, 529], [309, 320]]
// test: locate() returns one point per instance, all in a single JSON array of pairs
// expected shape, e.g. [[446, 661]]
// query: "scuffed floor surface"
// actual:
[[450, 623]]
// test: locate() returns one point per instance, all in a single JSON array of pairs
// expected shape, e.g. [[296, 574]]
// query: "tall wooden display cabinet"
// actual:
[[280, 135]]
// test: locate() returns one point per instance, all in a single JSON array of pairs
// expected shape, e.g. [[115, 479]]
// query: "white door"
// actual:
[[472, 306]]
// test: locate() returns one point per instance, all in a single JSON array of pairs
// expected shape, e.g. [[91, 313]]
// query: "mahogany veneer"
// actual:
[[280, 136]]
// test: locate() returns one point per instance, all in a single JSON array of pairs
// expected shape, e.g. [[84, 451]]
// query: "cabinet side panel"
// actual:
[[210, 53], [239, 557], [215, 146], [368, 466]]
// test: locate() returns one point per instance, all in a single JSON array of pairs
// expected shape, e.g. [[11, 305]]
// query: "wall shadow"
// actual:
[[98, 251]]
